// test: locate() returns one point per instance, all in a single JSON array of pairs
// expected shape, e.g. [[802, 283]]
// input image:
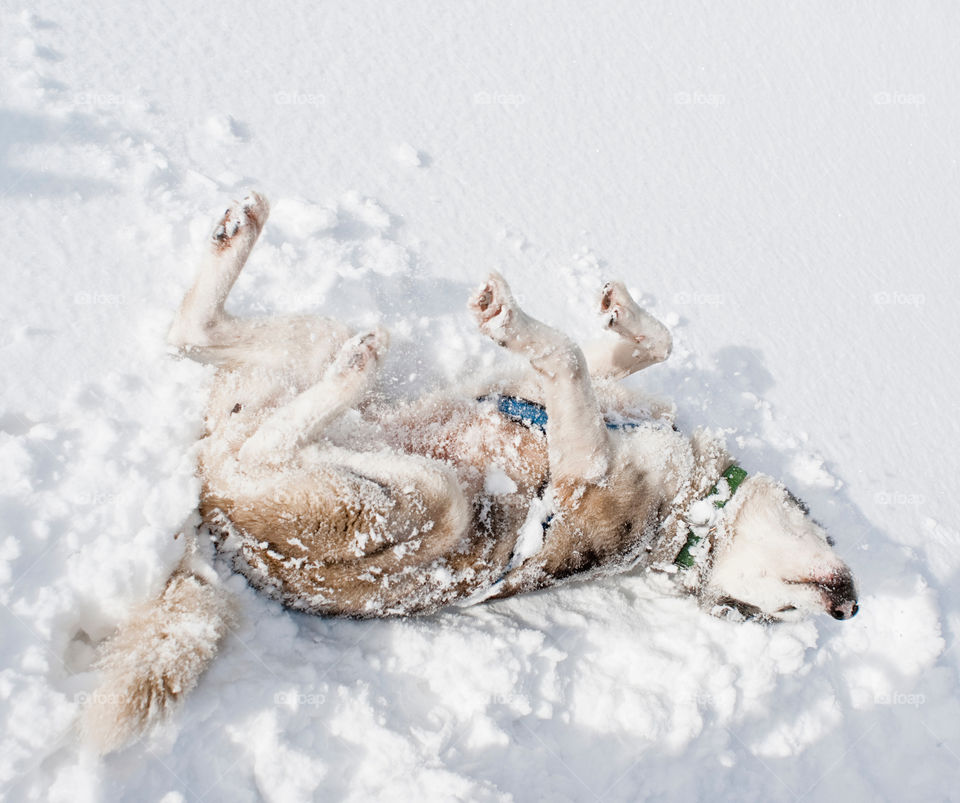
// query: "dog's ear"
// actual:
[[726, 607], [735, 610], [804, 507]]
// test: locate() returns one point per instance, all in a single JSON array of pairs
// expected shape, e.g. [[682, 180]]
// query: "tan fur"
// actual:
[[396, 519], [155, 659], [337, 504]]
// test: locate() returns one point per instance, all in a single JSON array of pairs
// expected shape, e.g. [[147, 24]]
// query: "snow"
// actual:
[[778, 183]]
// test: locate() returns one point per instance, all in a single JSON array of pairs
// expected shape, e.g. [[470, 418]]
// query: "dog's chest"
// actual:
[[492, 455]]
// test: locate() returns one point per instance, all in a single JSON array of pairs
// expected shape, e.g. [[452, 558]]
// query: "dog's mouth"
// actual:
[[838, 596], [838, 592], [744, 611], [736, 608]]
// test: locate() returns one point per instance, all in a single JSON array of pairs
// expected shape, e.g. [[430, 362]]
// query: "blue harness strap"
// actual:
[[534, 415], [528, 413]]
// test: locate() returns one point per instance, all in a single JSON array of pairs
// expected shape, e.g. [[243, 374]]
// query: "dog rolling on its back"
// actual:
[[336, 503]]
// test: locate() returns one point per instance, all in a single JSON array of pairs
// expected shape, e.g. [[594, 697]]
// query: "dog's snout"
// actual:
[[841, 594], [840, 585]]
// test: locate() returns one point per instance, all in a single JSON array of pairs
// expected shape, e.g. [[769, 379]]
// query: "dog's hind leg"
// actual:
[[577, 441], [301, 420], [371, 527], [201, 314], [639, 340]]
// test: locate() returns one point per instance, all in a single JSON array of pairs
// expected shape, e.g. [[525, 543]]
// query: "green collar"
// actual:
[[734, 477]]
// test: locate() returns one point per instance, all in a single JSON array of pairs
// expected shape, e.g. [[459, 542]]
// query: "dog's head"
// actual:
[[774, 561]]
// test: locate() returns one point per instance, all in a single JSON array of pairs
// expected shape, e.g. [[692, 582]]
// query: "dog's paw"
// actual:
[[243, 220], [361, 353], [628, 319], [620, 312], [493, 308]]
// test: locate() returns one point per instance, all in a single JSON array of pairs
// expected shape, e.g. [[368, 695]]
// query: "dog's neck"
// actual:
[[697, 471], [702, 515]]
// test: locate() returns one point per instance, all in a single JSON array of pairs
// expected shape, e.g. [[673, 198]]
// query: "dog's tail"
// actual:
[[157, 656]]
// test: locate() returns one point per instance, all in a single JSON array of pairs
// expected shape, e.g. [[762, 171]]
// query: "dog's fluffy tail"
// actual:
[[157, 656]]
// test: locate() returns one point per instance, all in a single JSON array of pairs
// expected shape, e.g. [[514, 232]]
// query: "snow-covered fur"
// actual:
[[338, 503], [157, 656], [780, 564]]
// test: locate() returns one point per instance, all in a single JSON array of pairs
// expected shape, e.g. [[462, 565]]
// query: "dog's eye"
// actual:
[[830, 541], [786, 608], [799, 503], [745, 609]]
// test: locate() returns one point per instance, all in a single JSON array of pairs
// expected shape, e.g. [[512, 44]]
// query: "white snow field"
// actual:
[[779, 183]]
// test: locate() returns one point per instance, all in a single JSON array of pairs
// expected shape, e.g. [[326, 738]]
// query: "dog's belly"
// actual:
[[311, 536], [492, 455]]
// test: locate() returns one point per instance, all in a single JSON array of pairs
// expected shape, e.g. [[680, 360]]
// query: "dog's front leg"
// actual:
[[301, 420], [577, 440]]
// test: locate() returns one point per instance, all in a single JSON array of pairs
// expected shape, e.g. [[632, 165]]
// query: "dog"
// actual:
[[336, 502]]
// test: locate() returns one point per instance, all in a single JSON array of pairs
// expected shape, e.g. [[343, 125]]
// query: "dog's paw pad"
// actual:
[[247, 215], [362, 352], [492, 304], [484, 304], [615, 301], [608, 307], [620, 312]]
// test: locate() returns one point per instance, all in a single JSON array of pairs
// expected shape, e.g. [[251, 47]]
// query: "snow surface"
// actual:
[[778, 182]]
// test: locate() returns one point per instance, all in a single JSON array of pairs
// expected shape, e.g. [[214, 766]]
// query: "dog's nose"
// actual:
[[845, 611]]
